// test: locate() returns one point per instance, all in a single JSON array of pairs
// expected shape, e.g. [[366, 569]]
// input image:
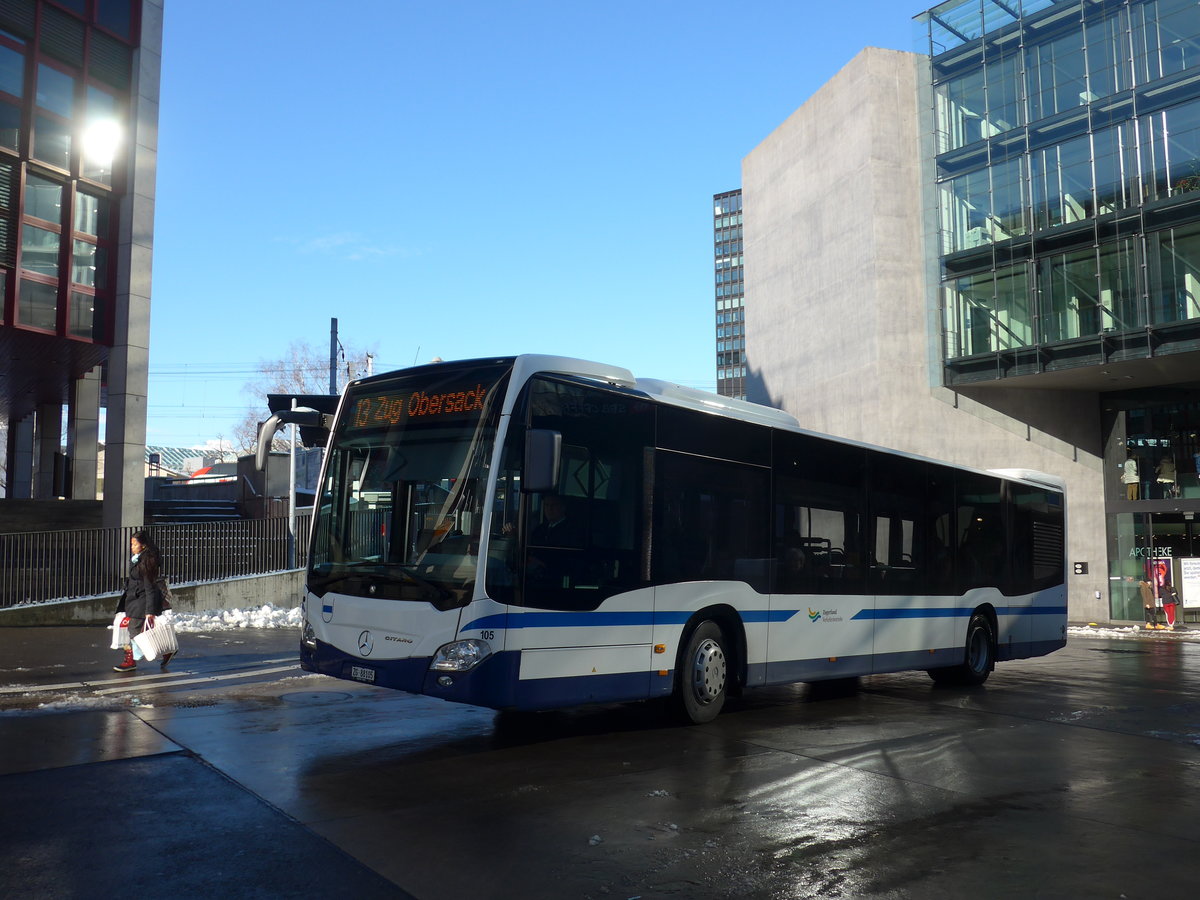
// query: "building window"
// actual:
[[1175, 274], [966, 212], [1166, 38], [116, 16], [101, 136], [1070, 304], [39, 250], [37, 305], [55, 100], [43, 199], [1056, 76], [1171, 151], [86, 317], [1062, 183], [12, 90]]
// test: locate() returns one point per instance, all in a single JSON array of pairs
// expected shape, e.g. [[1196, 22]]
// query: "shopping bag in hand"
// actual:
[[157, 637], [120, 631]]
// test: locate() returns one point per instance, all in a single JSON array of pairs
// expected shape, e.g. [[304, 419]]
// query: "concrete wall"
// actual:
[[842, 321], [280, 589], [128, 363]]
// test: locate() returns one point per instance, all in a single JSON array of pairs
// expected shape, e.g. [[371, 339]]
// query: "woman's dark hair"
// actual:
[[151, 558]]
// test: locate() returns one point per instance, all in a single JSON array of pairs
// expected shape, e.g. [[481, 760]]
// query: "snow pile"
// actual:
[[265, 616], [1132, 632]]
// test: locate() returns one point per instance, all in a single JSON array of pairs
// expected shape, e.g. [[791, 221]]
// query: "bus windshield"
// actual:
[[402, 504]]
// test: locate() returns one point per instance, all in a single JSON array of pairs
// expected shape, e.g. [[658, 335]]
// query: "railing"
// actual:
[[50, 565]]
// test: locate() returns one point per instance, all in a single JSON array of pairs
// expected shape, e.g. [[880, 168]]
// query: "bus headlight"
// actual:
[[308, 637], [460, 656]]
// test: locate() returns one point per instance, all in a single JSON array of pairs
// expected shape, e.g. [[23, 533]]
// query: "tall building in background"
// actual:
[[79, 92], [730, 294]]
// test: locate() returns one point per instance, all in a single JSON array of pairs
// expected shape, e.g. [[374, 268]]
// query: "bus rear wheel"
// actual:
[[979, 656], [703, 674]]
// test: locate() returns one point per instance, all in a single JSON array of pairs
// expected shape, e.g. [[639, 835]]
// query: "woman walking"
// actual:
[[143, 597]]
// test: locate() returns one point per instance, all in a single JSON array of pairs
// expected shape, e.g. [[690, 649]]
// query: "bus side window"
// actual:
[[711, 521], [819, 513], [594, 550], [982, 552], [898, 557]]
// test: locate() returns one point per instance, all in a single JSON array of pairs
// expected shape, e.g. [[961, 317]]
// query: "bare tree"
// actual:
[[303, 369]]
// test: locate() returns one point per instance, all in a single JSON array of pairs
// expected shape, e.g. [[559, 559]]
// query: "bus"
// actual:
[[538, 532]]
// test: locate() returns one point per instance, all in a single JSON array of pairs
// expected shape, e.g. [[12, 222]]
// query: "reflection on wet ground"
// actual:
[[1046, 781]]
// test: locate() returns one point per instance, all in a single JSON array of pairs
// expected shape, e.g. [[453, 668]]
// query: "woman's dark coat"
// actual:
[[142, 595]]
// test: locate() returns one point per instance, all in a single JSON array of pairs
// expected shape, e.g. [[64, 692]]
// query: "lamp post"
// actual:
[[291, 542]]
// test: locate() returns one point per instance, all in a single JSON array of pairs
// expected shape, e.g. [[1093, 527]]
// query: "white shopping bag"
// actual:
[[157, 637], [120, 633]]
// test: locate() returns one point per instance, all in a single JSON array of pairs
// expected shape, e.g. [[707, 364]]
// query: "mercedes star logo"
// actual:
[[365, 643]]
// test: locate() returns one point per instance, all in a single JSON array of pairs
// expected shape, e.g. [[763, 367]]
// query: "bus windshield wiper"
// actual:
[[406, 570], [372, 571]]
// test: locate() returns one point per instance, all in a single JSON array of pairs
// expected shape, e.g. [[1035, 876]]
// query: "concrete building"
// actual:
[[79, 91], [851, 281], [991, 255], [730, 294]]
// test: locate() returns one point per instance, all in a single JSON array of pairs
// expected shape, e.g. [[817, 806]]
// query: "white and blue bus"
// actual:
[[536, 532]]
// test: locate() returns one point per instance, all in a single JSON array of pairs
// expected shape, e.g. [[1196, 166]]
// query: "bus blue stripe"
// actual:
[[516, 620], [957, 612]]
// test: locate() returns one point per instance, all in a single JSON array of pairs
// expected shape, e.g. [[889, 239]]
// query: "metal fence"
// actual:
[[50, 565]]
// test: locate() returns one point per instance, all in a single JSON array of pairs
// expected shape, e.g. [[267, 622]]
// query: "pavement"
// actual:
[[99, 801], [235, 773]]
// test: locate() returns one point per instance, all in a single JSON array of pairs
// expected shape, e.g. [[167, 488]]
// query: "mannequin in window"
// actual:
[[1164, 474], [1130, 477]]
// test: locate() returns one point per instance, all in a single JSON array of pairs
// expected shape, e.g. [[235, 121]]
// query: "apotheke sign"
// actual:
[[1150, 553]]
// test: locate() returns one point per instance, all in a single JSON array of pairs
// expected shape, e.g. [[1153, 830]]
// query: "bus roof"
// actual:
[[529, 364]]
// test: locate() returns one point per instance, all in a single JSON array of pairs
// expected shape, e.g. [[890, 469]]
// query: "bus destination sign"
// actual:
[[391, 408]]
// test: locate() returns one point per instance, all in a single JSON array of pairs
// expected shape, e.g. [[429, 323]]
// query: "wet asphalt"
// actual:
[[237, 774], [98, 802]]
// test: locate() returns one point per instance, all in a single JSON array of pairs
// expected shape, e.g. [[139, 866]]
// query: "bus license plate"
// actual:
[[362, 673]]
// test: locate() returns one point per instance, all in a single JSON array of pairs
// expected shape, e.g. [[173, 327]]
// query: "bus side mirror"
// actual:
[[303, 416], [543, 450]]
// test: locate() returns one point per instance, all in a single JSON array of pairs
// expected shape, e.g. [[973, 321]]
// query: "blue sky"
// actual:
[[460, 179]]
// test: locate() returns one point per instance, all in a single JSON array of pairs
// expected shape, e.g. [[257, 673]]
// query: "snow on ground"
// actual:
[[265, 616], [1132, 632]]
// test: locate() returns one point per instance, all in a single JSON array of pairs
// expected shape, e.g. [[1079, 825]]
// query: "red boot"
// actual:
[[128, 664]]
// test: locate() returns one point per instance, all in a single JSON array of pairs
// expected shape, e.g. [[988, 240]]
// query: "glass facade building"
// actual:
[[78, 146], [64, 72], [1068, 178], [730, 294], [1067, 171]]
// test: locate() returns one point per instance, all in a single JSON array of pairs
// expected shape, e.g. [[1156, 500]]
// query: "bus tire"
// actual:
[[703, 674], [979, 656]]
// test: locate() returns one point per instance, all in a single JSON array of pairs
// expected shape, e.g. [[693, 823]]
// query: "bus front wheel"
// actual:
[[979, 657], [703, 674]]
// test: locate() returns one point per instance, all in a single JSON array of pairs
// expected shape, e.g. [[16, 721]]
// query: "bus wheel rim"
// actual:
[[708, 671], [977, 655]]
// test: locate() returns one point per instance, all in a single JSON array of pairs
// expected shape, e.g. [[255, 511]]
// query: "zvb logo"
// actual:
[[814, 615], [365, 643]]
